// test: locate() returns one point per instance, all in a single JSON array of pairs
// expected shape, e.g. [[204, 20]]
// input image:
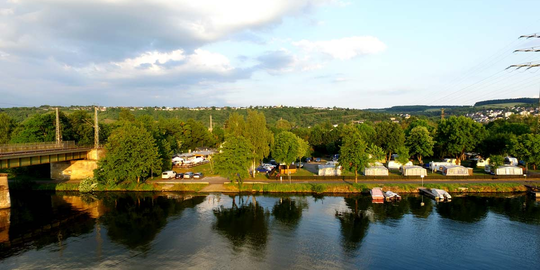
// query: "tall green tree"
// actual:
[[389, 137], [457, 135], [259, 136], [132, 154], [352, 155], [420, 143], [527, 147], [403, 155], [234, 159], [235, 125], [7, 125], [286, 149]]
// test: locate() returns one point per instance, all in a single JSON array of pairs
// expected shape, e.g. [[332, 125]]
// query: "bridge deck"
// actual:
[[43, 156]]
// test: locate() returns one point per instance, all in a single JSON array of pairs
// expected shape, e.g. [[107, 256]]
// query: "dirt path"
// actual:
[[214, 188]]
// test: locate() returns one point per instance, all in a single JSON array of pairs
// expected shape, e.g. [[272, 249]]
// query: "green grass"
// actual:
[[100, 188], [205, 169], [364, 188]]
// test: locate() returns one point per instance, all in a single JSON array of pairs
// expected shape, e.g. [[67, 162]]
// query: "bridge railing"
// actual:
[[21, 147]]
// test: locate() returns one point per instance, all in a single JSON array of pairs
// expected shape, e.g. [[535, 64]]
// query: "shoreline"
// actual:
[[298, 188]]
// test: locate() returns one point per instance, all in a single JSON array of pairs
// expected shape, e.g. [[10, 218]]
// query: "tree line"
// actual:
[[141, 146]]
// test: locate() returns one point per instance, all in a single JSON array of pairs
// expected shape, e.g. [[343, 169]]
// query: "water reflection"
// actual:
[[469, 209], [295, 230], [420, 206], [134, 220], [354, 223], [245, 222], [288, 211]]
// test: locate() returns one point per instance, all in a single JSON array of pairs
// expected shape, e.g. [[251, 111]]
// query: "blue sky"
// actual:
[[356, 54]]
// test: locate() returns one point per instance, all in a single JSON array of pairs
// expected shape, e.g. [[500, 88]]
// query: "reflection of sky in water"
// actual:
[[283, 232]]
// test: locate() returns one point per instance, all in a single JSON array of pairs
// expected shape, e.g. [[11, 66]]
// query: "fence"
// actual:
[[23, 147]]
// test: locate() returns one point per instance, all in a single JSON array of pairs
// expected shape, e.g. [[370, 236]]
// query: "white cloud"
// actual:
[[345, 48], [104, 30]]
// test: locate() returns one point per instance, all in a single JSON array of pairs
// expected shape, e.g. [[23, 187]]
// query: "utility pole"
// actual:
[[530, 65], [58, 135], [442, 113], [96, 129], [211, 125]]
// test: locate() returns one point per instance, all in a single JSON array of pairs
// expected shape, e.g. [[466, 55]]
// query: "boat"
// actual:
[[391, 196], [377, 195], [441, 195]]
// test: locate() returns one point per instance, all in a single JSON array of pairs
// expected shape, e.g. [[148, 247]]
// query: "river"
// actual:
[[193, 231]]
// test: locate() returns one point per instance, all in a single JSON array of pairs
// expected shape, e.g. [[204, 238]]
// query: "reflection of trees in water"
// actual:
[[354, 223], [289, 211], [47, 218], [134, 220], [465, 209], [417, 209], [394, 211], [243, 223], [522, 209]]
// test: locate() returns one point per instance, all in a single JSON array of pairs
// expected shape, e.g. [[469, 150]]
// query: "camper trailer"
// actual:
[[505, 170], [376, 171], [413, 171], [456, 170]]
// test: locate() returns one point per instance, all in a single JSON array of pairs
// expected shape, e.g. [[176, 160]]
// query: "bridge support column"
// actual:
[[5, 200], [73, 170]]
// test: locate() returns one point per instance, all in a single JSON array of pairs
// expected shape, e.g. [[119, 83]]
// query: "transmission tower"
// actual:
[[96, 129], [529, 65], [58, 134]]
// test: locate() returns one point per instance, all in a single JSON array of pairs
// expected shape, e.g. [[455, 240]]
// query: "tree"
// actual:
[[389, 137], [42, 128], [495, 161], [376, 154], [286, 149], [132, 154], [457, 135], [7, 125], [352, 155], [234, 159], [403, 155], [259, 136], [420, 143], [235, 125], [527, 147]]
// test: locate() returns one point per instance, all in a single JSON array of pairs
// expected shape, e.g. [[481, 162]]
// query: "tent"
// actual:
[[413, 170], [376, 171], [392, 164], [329, 170], [455, 170], [509, 170]]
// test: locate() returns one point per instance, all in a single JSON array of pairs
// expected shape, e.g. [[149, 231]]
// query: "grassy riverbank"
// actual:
[[99, 188], [364, 188]]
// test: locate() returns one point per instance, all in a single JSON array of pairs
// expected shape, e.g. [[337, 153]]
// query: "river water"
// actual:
[[193, 231]]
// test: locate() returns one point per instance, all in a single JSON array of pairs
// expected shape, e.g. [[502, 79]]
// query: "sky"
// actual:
[[351, 54]]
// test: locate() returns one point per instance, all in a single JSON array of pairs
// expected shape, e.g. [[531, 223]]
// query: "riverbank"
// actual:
[[365, 188], [317, 188]]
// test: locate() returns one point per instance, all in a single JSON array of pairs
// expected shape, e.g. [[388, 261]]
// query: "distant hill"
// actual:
[[507, 101]]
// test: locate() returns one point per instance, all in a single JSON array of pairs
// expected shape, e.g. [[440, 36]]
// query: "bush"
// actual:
[[88, 184]]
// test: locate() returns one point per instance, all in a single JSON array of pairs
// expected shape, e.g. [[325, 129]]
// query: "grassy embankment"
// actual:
[[364, 188], [104, 188]]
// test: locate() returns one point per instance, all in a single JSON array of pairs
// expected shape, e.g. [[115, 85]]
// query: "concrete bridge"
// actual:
[[67, 160]]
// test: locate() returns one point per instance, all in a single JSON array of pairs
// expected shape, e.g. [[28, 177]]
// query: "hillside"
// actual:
[[301, 116], [507, 102]]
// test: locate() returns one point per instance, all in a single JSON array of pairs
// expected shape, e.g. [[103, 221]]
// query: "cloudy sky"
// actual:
[[357, 54]]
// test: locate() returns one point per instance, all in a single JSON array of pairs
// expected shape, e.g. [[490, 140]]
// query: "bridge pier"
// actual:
[[77, 169], [5, 201]]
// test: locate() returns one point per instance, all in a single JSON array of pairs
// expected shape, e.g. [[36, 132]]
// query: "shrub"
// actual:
[[88, 184]]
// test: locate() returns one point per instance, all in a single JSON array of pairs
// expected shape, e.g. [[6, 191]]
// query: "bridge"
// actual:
[[68, 161], [27, 154]]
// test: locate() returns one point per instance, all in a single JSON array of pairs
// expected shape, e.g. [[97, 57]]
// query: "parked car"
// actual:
[[188, 175], [198, 175], [179, 176], [317, 159], [168, 175]]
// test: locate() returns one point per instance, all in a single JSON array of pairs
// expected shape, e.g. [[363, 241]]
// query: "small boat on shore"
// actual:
[[437, 194], [442, 195], [377, 195], [391, 196]]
